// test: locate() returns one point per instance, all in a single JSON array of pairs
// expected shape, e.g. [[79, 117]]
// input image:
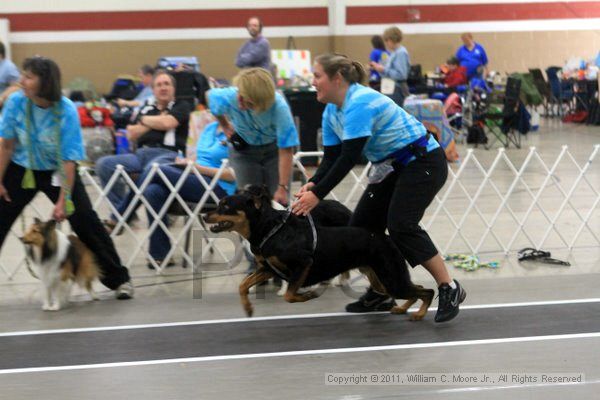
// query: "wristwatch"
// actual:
[[286, 187]]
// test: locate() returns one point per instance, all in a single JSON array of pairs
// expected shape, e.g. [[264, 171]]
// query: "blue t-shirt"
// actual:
[[274, 124], [43, 132], [368, 113], [378, 56], [211, 149], [472, 59], [9, 74]]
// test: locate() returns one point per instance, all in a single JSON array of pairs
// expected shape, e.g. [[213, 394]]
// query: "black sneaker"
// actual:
[[449, 301], [371, 301]]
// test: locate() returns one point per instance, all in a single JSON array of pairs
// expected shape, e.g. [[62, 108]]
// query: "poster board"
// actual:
[[291, 63]]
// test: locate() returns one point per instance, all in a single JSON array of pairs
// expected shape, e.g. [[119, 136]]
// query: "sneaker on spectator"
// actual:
[[371, 301], [125, 291]]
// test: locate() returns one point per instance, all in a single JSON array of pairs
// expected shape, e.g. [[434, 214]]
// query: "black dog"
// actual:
[[285, 245]]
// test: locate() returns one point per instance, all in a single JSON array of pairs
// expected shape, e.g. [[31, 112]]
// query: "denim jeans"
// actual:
[[135, 163], [157, 193]]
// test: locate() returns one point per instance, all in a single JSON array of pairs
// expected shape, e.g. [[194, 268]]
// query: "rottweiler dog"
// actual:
[[305, 253]]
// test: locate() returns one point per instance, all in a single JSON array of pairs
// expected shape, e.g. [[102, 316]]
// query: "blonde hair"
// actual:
[[393, 33], [351, 71], [256, 85]]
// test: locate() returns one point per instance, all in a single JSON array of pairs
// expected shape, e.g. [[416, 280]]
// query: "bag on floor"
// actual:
[[476, 135]]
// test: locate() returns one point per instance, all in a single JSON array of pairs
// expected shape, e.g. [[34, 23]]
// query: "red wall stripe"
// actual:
[[472, 12], [174, 19]]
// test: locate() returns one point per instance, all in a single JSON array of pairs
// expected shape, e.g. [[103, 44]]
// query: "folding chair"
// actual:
[[501, 124], [562, 90], [543, 87]]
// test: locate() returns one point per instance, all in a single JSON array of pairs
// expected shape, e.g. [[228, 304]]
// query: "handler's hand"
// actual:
[[305, 188], [281, 196], [306, 202], [59, 213], [4, 193]]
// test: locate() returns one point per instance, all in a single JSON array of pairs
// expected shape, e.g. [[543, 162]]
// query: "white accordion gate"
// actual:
[[495, 209]]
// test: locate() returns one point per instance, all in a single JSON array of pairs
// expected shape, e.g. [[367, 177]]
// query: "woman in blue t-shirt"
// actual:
[[40, 144], [409, 168], [259, 126], [211, 149], [378, 55]]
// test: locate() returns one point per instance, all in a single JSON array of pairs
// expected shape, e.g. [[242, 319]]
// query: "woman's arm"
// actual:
[[350, 154], [60, 212], [7, 147], [227, 174]]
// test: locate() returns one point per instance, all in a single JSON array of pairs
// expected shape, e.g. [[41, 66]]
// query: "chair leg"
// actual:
[[186, 246]]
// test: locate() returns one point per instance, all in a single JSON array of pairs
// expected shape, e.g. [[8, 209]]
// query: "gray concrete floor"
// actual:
[[169, 299]]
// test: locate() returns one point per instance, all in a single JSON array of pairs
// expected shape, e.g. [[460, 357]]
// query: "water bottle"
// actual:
[[121, 142]]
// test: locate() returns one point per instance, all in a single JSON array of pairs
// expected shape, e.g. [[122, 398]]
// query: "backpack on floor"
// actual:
[[476, 135]]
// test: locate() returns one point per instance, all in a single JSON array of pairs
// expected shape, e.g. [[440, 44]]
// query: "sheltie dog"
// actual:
[[60, 261]]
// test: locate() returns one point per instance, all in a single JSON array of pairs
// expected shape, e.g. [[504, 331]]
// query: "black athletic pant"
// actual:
[[84, 221], [399, 202]]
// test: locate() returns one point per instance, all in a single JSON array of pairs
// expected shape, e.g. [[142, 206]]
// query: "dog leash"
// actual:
[[27, 263], [531, 254], [469, 262]]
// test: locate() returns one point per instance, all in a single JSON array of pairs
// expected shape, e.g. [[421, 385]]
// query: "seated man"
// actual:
[[211, 149], [456, 75], [160, 131]]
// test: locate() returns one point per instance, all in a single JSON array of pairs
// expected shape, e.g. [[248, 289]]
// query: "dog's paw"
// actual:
[[416, 317], [53, 307], [398, 310], [283, 289], [46, 307]]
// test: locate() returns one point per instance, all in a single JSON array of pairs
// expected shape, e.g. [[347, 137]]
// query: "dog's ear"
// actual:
[[37, 221]]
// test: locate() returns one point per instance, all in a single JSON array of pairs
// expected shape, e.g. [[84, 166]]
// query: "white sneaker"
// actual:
[[125, 291]]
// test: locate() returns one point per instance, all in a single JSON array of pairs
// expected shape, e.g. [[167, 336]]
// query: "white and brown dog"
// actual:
[[60, 261]]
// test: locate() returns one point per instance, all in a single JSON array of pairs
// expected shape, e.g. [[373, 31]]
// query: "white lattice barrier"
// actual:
[[498, 206], [136, 241]]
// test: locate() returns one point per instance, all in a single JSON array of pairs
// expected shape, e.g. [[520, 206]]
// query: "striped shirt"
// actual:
[[274, 124], [367, 113]]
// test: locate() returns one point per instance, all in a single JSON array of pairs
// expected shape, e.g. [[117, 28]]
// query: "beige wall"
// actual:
[[101, 62], [507, 51]]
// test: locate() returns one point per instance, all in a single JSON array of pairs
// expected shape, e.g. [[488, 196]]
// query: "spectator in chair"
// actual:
[[472, 56], [211, 149], [456, 75], [9, 76], [160, 131], [146, 72], [34, 122], [256, 52], [397, 66]]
